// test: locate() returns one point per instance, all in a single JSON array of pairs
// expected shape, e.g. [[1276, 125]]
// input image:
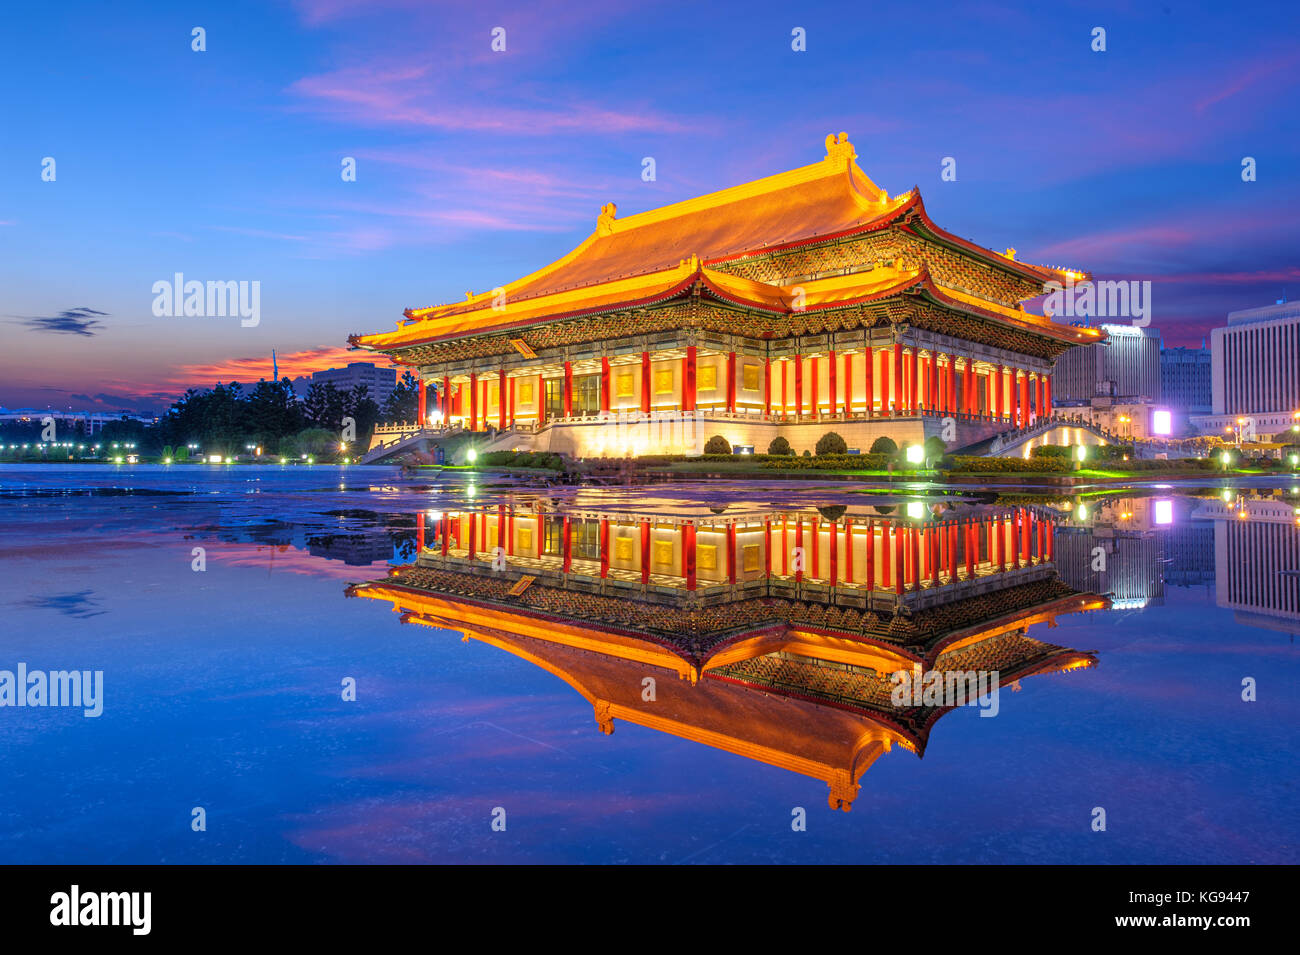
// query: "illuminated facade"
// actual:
[[813, 610], [805, 302]]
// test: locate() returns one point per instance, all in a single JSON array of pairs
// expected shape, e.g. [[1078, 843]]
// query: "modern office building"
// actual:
[[380, 379], [768, 309], [1186, 379], [1255, 362], [1125, 366]]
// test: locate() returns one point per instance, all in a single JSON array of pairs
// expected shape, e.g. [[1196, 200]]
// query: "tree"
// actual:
[[831, 443], [325, 406], [403, 404], [934, 447], [717, 445], [779, 445], [884, 445]]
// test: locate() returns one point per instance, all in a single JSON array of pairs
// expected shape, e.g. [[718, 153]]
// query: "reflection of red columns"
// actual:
[[1024, 536], [604, 547], [833, 533], [867, 383], [473, 535], [816, 549], [731, 382], [785, 547], [604, 383], [501, 525], [803, 553], [473, 401], [1051, 531], [848, 551], [645, 552], [767, 549], [1001, 530], [510, 532], [871, 556], [933, 542], [915, 575], [645, 382], [566, 552], [767, 387], [972, 544], [688, 555], [419, 531], [1038, 527], [899, 570], [897, 390], [798, 385], [832, 379], [501, 400], [731, 553], [445, 533], [688, 379], [539, 535], [568, 389]]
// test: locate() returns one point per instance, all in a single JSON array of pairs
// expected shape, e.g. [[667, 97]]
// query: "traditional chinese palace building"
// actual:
[[773, 634], [805, 302]]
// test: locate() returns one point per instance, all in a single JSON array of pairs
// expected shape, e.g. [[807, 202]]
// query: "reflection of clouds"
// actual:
[[78, 603]]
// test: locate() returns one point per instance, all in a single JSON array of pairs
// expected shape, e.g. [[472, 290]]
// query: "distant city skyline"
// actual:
[[227, 164]]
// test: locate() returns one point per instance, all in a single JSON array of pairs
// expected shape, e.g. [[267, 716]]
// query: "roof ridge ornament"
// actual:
[[605, 221], [839, 149]]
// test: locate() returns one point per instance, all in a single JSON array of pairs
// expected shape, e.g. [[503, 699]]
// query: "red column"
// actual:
[[998, 390], [645, 552], [1038, 527], [419, 532], [832, 378], [952, 384], [1024, 400], [511, 418], [731, 382], [898, 378], [884, 382], [501, 400], [932, 383], [538, 533], [815, 395], [645, 382], [1051, 533], [952, 553], [1047, 396], [541, 400], [568, 389], [848, 386], [473, 402], [566, 552], [421, 397], [446, 401], [688, 379], [798, 385], [604, 547], [867, 383], [914, 392], [688, 555], [785, 387], [604, 383], [731, 553], [767, 387]]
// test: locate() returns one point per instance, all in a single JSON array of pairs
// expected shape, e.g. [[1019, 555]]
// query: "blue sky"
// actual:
[[474, 167]]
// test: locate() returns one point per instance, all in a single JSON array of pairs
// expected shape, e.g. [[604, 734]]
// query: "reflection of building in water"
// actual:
[[356, 549], [1189, 549], [783, 627], [1113, 551], [1257, 560]]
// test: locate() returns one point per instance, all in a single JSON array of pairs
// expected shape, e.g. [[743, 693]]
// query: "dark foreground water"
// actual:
[[222, 691]]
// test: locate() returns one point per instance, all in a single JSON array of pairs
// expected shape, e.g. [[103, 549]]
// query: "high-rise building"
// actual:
[[1126, 365], [1185, 379], [1255, 363], [380, 379]]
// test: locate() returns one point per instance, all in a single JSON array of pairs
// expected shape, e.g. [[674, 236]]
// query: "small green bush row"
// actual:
[[521, 459]]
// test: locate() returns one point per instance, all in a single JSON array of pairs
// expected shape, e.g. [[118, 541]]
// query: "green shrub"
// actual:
[[934, 447], [807, 454], [831, 443], [717, 445], [884, 445], [779, 446], [1052, 451]]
